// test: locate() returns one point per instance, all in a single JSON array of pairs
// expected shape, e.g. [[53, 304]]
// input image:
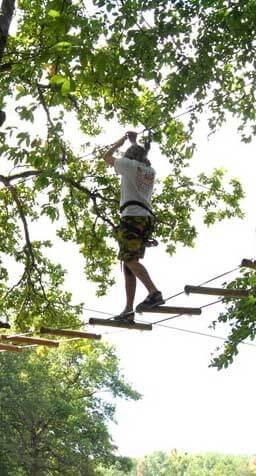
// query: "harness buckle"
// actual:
[[151, 242]]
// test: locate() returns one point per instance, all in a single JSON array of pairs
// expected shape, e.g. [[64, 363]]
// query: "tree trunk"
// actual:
[[7, 9], [6, 14]]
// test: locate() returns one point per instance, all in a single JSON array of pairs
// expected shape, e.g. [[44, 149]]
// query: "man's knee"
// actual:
[[131, 264], [127, 270]]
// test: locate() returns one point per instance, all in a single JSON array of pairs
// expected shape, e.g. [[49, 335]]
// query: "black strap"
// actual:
[[135, 202]]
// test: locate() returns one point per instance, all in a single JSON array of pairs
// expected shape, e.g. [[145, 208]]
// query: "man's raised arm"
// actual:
[[108, 156]]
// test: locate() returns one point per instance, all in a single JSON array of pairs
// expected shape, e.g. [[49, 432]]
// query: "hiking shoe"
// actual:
[[125, 316], [154, 299]]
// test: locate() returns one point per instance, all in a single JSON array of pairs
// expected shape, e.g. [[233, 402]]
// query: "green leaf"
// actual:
[[63, 44], [54, 13], [65, 88], [41, 182], [23, 137], [57, 79]]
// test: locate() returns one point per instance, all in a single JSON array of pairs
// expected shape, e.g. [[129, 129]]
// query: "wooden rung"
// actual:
[[123, 325], [174, 310], [31, 340], [232, 293], [69, 333], [248, 263], [10, 348]]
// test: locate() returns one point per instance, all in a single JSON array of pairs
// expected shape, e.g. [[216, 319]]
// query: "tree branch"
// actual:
[[69, 181], [43, 103], [23, 175], [93, 196], [28, 248]]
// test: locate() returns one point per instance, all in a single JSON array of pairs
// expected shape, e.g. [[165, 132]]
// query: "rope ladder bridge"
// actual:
[[178, 310], [19, 342]]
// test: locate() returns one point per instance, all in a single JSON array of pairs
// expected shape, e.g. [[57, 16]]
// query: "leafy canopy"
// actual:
[[239, 317], [155, 65], [185, 464], [54, 411]]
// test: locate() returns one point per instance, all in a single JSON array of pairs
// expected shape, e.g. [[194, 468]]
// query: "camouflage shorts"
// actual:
[[131, 235]]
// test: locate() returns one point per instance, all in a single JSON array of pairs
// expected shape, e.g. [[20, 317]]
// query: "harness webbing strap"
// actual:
[[135, 202]]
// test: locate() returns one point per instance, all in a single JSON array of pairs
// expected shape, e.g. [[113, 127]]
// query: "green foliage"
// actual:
[[141, 63], [240, 317], [185, 464], [53, 412]]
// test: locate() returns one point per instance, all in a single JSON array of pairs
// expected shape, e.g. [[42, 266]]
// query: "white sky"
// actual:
[[186, 405]]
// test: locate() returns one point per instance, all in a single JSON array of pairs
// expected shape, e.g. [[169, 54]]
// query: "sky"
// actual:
[[185, 404]]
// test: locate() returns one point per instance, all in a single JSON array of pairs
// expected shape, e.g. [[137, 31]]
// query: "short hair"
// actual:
[[137, 152]]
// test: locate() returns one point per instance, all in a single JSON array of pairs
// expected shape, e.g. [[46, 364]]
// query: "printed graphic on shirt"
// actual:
[[144, 180]]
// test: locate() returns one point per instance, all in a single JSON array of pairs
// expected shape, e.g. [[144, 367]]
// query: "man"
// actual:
[[136, 220]]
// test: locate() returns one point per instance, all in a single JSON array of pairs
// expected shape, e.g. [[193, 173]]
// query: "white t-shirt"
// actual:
[[136, 184]]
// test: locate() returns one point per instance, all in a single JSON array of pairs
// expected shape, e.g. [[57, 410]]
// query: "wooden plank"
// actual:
[[31, 340], [120, 324], [69, 333], [232, 293], [247, 263], [173, 310], [10, 348]]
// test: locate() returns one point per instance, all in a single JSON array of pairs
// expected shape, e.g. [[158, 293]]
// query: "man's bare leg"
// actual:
[[142, 274], [130, 288]]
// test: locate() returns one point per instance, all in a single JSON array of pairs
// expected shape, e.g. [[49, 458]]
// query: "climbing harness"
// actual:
[[135, 202], [147, 241]]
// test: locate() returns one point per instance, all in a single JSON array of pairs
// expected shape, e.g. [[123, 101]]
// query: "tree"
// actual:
[[239, 316], [53, 412], [126, 468], [185, 464], [144, 64], [155, 464]]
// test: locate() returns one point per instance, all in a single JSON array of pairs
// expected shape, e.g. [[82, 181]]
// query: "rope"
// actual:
[[206, 305], [98, 312], [203, 334], [188, 111], [220, 276], [205, 282]]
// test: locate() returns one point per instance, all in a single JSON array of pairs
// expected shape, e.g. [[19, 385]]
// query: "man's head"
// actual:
[[137, 152]]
